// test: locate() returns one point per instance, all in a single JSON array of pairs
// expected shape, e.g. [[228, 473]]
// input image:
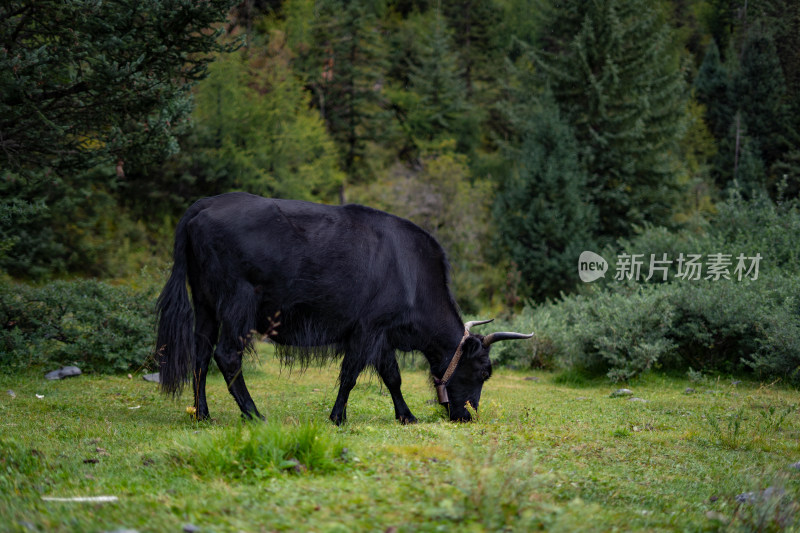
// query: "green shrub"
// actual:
[[711, 326], [95, 325], [625, 328], [779, 348], [621, 334]]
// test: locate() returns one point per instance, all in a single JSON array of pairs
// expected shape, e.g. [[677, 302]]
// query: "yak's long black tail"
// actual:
[[175, 349]]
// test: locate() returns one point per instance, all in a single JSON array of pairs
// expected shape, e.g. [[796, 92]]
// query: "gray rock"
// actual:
[[11, 393], [689, 390], [773, 492], [635, 399], [154, 378], [64, 372], [796, 465], [621, 392], [190, 528], [764, 495], [746, 497]]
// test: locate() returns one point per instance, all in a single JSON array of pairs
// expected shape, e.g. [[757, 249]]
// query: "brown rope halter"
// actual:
[[441, 384]]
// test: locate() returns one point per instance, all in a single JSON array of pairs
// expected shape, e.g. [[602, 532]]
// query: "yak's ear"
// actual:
[[472, 345]]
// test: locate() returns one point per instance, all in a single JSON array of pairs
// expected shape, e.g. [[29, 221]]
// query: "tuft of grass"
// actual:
[[774, 417], [19, 466], [727, 433], [737, 430], [498, 492], [260, 450]]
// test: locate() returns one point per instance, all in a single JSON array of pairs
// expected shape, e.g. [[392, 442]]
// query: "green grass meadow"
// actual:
[[548, 452]]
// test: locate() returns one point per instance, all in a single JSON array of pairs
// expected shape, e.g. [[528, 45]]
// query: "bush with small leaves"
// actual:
[[98, 326]]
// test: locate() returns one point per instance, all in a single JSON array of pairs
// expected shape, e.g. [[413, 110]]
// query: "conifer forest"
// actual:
[[657, 135]]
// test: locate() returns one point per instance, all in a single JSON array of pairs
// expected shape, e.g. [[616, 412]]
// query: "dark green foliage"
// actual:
[[97, 326], [713, 90], [543, 214], [762, 100], [618, 81], [713, 326], [787, 174], [15, 211], [752, 99], [69, 225], [738, 164], [474, 24], [88, 81], [91, 90], [721, 17]]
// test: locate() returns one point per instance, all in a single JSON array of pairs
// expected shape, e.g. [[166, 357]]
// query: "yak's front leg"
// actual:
[[352, 365], [390, 374]]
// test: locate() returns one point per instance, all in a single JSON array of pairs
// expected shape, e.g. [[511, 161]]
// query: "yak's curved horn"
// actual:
[[475, 323], [504, 336]]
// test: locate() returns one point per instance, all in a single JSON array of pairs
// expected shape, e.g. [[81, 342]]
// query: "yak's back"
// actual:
[[296, 247]]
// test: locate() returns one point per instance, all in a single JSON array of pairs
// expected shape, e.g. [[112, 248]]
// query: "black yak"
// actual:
[[320, 281]]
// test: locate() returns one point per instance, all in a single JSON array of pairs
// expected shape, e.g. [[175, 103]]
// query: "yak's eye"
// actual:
[[485, 375]]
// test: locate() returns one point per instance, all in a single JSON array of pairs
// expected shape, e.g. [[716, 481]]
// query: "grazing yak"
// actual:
[[320, 281]]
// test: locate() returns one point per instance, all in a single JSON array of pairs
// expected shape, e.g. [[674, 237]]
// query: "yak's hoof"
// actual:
[[407, 419], [338, 419]]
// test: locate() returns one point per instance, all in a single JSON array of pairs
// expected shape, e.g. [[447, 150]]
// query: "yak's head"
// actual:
[[471, 371]]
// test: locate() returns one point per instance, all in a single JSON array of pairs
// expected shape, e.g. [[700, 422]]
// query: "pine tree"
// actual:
[[440, 107], [761, 97], [474, 23], [88, 82], [738, 164], [713, 90], [543, 212], [722, 17], [762, 67], [344, 68], [90, 93], [619, 83]]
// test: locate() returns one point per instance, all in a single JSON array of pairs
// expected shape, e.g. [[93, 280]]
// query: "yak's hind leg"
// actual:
[[228, 356], [390, 373], [235, 336], [206, 333]]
